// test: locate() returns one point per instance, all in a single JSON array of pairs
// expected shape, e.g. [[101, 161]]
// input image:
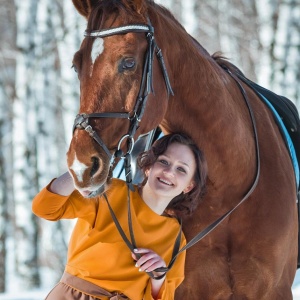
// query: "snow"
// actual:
[[34, 295], [41, 294]]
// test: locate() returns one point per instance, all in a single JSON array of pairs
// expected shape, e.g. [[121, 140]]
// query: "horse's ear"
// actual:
[[84, 7]]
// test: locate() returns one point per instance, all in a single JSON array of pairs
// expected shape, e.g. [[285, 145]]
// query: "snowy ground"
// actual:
[[40, 295], [296, 286], [37, 295]]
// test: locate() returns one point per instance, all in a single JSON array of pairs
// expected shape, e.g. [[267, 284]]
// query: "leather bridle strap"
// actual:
[[146, 88], [82, 120], [119, 30], [132, 244], [212, 226]]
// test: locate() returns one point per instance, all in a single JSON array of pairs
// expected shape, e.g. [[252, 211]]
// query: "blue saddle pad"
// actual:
[[287, 138], [287, 118]]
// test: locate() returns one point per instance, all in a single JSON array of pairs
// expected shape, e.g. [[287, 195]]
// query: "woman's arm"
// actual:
[[60, 200]]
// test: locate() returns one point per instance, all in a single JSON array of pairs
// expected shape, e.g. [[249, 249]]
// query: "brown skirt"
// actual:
[[73, 288]]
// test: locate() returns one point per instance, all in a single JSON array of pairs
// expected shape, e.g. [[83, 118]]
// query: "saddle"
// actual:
[[289, 116], [285, 108]]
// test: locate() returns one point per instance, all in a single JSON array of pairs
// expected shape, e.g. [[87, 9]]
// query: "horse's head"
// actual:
[[115, 67]]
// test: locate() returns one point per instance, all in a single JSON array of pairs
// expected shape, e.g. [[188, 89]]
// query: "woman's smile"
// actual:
[[164, 181]]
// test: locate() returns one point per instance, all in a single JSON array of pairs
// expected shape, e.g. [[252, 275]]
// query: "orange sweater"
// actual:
[[97, 252]]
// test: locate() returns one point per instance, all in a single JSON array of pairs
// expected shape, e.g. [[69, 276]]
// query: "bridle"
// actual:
[[146, 87], [134, 117], [82, 122]]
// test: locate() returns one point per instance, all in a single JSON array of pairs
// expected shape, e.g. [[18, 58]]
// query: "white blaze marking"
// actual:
[[97, 49], [78, 168]]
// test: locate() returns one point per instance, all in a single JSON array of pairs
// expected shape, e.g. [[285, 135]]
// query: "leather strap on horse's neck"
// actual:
[[145, 90], [176, 251], [213, 225], [132, 244]]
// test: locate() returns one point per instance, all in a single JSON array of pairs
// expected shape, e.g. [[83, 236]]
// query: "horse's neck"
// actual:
[[209, 107], [208, 115]]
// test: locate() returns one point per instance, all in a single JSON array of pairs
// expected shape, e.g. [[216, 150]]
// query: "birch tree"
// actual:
[[284, 48], [7, 96], [47, 96], [232, 27], [27, 177]]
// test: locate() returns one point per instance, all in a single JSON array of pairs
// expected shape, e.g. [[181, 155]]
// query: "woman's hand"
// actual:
[[63, 185], [147, 261]]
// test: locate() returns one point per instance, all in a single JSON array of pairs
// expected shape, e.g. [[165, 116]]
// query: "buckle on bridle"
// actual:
[[130, 143], [81, 121]]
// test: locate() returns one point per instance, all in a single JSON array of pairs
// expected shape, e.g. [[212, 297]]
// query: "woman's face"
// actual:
[[173, 172]]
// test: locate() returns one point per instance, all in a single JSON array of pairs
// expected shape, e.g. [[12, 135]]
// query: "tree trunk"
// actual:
[[48, 101], [26, 232], [7, 96]]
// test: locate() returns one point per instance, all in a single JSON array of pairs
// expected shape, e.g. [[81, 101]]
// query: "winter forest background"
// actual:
[[39, 95]]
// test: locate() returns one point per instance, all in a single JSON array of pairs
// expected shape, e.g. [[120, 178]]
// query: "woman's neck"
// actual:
[[156, 203]]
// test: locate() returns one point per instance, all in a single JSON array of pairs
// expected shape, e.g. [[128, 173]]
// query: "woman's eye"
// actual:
[[181, 170], [162, 161]]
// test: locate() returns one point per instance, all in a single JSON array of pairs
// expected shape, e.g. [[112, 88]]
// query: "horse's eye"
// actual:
[[128, 63]]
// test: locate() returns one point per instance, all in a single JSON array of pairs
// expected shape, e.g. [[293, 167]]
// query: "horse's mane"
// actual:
[[128, 11], [107, 8], [221, 60]]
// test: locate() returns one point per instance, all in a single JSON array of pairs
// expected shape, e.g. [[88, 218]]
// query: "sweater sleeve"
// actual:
[[173, 279], [53, 207]]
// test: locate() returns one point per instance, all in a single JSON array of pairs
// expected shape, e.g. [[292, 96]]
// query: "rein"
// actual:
[[212, 226], [146, 87], [82, 122]]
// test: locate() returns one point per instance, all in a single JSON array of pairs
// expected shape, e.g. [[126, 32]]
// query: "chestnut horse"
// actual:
[[252, 254]]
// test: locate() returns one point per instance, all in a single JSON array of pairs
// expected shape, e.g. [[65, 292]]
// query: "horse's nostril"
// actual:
[[95, 165]]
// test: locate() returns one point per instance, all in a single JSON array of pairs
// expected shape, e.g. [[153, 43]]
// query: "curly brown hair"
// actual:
[[183, 204]]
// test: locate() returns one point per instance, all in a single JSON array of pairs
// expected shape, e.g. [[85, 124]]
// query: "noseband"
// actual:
[[146, 87]]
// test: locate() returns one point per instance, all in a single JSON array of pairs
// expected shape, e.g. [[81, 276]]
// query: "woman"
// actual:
[[100, 266]]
